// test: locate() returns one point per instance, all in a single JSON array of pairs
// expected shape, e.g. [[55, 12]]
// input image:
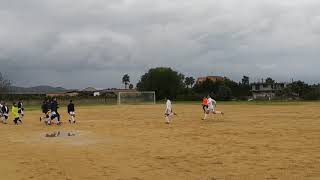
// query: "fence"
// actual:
[[65, 101]]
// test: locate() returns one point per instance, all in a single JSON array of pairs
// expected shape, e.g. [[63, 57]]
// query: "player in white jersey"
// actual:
[[168, 112], [211, 108], [1, 114], [5, 113]]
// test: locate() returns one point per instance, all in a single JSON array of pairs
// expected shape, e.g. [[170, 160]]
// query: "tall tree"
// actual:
[[245, 81], [126, 80], [189, 81], [4, 84], [269, 80], [224, 93], [164, 81], [299, 87]]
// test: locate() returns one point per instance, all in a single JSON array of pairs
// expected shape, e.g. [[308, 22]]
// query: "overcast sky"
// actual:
[[80, 43]]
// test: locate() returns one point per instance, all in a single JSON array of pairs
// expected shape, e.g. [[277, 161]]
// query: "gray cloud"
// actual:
[[94, 42]]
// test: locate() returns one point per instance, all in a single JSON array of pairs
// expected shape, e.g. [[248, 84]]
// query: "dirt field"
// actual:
[[279, 141]]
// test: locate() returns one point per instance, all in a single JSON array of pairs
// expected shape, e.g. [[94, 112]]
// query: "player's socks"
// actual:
[[205, 117], [167, 120]]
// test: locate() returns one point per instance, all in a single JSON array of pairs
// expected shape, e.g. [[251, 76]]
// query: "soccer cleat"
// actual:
[[69, 121], [40, 119]]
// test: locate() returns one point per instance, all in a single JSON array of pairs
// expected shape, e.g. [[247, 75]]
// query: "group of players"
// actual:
[[208, 106], [50, 111], [17, 112], [49, 108]]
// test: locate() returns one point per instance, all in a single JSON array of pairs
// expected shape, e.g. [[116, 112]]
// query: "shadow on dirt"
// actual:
[[60, 134]]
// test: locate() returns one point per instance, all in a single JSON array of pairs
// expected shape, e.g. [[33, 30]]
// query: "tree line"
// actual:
[[169, 83]]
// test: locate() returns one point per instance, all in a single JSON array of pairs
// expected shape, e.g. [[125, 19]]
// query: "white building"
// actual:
[[265, 90], [96, 94]]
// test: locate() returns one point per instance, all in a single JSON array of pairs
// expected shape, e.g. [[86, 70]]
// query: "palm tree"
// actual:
[[245, 81], [270, 81], [131, 86], [189, 81], [126, 80]]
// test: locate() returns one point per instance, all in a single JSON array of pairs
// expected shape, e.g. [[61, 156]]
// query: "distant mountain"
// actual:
[[48, 89]]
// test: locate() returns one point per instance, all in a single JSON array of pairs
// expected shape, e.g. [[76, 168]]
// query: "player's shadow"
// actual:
[[214, 121]]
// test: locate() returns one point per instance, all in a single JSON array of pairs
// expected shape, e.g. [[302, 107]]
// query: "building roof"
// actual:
[[260, 83], [118, 90], [212, 78], [89, 89]]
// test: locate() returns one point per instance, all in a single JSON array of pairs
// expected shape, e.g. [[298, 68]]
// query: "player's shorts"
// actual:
[[204, 107], [47, 114], [168, 112], [71, 113], [210, 109], [21, 112], [5, 115], [53, 115]]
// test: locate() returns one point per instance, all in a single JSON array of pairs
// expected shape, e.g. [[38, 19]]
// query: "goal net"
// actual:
[[144, 97]]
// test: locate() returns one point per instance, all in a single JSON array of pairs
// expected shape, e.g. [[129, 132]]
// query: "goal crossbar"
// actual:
[[137, 97]]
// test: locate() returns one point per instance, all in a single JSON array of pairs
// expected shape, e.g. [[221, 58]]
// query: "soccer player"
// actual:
[[5, 113], [204, 104], [71, 112], [15, 113], [168, 112], [211, 108], [1, 114], [54, 106], [45, 111], [21, 110]]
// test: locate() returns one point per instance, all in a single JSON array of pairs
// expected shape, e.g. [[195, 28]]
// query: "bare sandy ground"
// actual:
[[132, 142]]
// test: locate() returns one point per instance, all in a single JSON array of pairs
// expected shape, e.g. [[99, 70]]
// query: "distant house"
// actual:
[[62, 94], [116, 91], [265, 90], [57, 94], [96, 94], [73, 93], [212, 78], [91, 91]]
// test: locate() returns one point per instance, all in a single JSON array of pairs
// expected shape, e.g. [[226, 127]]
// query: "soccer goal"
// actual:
[[142, 97]]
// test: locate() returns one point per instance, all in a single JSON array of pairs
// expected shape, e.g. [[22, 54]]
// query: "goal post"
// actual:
[[137, 97]]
